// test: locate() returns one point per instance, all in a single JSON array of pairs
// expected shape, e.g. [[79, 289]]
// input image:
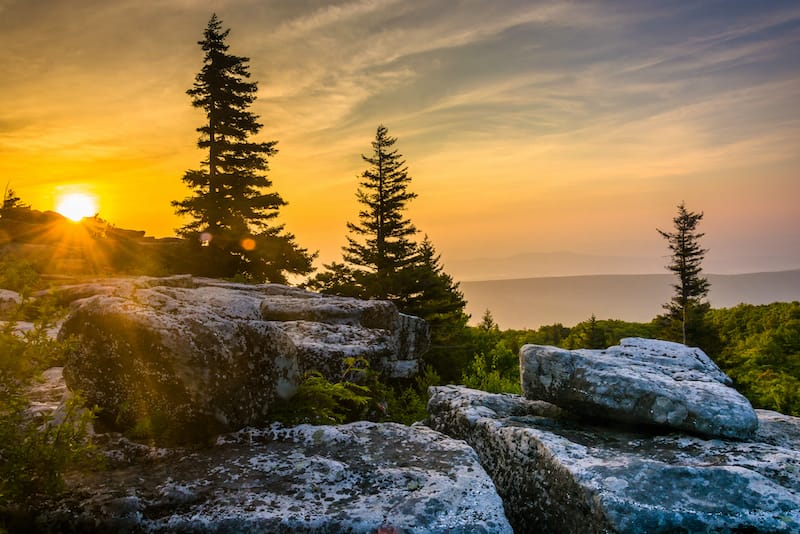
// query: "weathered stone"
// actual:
[[556, 473], [9, 302], [48, 393], [350, 478], [640, 381], [201, 356]]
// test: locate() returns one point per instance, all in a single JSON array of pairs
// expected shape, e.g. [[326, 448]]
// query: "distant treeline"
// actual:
[[757, 346]]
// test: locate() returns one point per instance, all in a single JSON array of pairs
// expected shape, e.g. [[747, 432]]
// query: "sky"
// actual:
[[527, 127]]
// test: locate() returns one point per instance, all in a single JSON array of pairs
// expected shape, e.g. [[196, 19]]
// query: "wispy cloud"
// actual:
[[521, 104]]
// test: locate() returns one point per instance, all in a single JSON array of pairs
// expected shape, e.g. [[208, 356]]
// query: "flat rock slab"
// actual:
[[349, 478], [641, 381], [558, 474]]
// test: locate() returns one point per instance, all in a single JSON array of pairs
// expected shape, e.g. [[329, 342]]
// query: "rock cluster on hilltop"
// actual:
[[645, 437], [203, 356]]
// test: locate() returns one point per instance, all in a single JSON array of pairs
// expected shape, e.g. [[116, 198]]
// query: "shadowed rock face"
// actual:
[[350, 478], [641, 381], [202, 356], [561, 474]]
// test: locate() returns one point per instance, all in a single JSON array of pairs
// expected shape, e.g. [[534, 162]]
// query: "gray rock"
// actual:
[[559, 474], [47, 394], [350, 478], [203, 356], [641, 381], [9, 302]]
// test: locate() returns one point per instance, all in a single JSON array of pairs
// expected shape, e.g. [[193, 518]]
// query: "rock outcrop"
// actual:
[[350, 478], [203, 356], [561, 474], [640, 381]]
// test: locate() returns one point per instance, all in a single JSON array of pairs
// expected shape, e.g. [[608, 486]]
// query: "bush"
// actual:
[[35, 450], [321, 402], [495, 372], [18, 275], [410, 404]]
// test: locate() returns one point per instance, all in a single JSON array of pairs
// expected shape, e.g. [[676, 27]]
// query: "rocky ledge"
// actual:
[[204, 356], [350, 478], [557, 472]]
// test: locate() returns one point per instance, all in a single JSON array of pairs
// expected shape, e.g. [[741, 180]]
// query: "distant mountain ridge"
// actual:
[[532, 302], [568, 263]]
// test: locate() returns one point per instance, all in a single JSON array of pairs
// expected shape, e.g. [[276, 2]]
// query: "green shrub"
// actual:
[[495, 372], [319, 401], [18, 275], [410, 404], [35, 450]]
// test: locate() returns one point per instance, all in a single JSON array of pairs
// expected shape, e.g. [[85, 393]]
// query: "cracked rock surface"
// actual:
[[348, 478], [560, 473]]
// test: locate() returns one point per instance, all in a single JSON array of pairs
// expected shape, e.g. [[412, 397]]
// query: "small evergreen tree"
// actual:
[[687, 306], [382, 261], [384, 249], [231, 227]]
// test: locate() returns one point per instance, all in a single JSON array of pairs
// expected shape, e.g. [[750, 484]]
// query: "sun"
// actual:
[[76, 206]]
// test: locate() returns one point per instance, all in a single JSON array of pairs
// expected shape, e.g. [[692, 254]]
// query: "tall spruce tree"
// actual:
[[380, 249], [688, 306], [232, 228]]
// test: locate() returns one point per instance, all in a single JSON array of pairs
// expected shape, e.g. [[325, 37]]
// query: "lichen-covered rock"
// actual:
[[350, 478], [556, 473], [641, 381], [200, 356]]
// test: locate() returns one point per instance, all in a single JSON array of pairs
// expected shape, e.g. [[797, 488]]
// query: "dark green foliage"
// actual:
[[684, 318], [361, 394], [496, 371], [321, 402], [18, 275], [433, 295], [409, 404], [600, 334], [37, 450], [760, 351], [231, 211]]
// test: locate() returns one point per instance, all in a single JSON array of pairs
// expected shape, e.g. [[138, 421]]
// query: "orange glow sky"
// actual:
[[526, 126]]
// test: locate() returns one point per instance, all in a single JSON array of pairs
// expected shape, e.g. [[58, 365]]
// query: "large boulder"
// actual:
[[640, 381], [200, 356], [557, 473], [351, 478]]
